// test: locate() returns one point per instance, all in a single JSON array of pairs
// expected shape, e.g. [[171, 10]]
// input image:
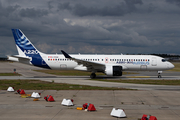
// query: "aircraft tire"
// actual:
[[93, 75], [159, 76]]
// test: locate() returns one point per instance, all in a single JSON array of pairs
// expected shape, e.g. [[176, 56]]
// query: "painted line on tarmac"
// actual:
[[137, 76]]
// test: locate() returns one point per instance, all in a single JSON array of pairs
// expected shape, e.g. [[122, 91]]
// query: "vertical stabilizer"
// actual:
[[26, 49], [24, 46]]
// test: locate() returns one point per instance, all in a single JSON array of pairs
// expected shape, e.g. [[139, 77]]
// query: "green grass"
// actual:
[[73, 72], [10, 74], [176, 68], [152, 82], [42, 85]]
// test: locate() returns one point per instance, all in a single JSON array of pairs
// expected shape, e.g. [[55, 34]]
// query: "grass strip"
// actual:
[[10, 74], [151, 82], [43, 85]]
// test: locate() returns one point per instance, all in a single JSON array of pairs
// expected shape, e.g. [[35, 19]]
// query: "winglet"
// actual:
[[65, 54]]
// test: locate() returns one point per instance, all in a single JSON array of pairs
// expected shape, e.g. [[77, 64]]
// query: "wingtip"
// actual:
[[62, 51], [65, 54]]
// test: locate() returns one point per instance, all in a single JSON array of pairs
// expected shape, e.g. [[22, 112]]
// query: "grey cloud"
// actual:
[[33, 13], [94, 26], [176, 2], [6, 11], [122, 8], [50, 6], [151, 8], [131, 4], [64, 6]]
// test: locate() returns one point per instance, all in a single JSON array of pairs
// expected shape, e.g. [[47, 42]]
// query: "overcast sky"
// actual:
[[93, 26]]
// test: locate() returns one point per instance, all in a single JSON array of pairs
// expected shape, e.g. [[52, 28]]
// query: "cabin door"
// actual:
[[154, 61]]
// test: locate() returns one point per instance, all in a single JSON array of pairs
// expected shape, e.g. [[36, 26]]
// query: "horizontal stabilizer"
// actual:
[[21, 59]]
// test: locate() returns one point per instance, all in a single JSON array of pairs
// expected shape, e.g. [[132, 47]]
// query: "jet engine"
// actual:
[[113, 70]]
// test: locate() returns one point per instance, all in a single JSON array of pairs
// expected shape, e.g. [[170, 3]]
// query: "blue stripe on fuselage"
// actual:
[[38, 61]]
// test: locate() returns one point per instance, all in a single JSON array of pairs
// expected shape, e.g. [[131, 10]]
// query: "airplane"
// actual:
[[111, 65]]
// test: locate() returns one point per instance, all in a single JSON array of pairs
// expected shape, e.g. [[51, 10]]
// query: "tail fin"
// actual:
[[26, 49], [24, 46]]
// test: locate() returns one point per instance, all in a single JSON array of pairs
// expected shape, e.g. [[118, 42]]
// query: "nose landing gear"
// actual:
[[159, 74]]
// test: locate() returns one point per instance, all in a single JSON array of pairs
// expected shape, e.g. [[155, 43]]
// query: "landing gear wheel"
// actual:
[[159, 76], [93, 75]]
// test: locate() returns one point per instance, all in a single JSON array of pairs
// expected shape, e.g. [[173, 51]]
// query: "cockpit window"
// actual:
[[163, 60]]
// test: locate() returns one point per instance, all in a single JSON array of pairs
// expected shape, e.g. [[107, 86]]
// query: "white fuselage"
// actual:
[[128, 62]]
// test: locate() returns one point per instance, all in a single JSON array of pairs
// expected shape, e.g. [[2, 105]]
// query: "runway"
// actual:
[[27, 73]]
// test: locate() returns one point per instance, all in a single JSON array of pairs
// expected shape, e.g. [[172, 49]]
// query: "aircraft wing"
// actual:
[[90, 65]]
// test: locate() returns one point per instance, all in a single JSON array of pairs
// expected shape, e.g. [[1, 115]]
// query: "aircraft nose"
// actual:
[[171, 66]]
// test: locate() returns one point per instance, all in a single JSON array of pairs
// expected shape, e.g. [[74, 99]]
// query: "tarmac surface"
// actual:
[[161, 101]]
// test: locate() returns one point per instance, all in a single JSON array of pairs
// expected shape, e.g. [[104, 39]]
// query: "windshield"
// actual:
[[163, 60]]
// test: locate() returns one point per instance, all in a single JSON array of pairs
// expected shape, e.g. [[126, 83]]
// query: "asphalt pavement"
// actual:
[[161, 101]]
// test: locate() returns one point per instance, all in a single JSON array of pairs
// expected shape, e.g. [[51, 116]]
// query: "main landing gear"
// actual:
[[93, 75], [159, 74]]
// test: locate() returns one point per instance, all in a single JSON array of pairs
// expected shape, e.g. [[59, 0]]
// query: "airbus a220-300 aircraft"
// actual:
[[111, 65]]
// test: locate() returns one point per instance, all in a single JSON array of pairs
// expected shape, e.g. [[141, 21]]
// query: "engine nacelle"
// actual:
[[113, 70]]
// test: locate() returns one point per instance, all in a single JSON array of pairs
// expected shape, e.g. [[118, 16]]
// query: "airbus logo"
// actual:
[[30, 51]]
